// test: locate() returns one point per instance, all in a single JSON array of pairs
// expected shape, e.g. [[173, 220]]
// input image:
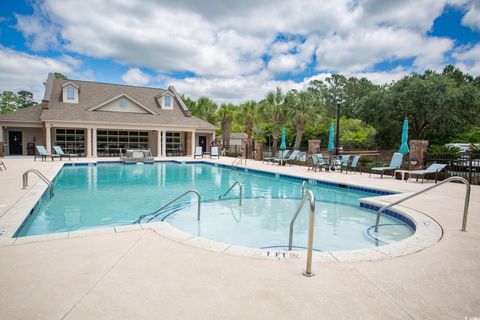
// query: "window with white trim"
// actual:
[[70, 93]]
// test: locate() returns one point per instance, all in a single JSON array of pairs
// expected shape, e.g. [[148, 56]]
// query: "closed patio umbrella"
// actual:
[[404, 146], [331, 137], [283, 145]]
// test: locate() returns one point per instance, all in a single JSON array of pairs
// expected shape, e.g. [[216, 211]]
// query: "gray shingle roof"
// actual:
[[29, 114], [92, 94]]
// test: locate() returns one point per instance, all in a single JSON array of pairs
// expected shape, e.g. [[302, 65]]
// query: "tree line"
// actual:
[[441, 107]]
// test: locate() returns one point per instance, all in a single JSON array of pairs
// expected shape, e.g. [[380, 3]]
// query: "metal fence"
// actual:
[[465, 164]]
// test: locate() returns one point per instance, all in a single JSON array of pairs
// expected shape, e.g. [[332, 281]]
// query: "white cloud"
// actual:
[[468, 59], [362, 49], [21, 71], [136, 77], [472, 18]]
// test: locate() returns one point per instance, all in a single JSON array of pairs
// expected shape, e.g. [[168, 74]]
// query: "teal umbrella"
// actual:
[[331, 136], [283, 145], [404, 146]]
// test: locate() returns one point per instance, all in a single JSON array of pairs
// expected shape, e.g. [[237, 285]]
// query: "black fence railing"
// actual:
[[465, 164]]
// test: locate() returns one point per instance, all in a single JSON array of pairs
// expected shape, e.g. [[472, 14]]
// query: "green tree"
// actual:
[[248, 116], [274, 110], [8, 101], [24, 99], [205, 109], [225, 115], [302, 110]]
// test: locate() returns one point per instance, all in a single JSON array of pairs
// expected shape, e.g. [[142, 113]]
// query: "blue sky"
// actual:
[[230, 50]]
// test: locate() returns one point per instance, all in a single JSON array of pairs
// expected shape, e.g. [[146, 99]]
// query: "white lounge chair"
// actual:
[[59, 151], [198, 152], [43, 153], [2, 164], [214, 153]]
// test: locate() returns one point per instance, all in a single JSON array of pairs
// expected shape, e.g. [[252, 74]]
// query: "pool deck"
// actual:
[[137, 273]]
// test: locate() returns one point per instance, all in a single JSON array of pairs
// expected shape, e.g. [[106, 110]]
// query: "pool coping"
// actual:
[[427, 230]]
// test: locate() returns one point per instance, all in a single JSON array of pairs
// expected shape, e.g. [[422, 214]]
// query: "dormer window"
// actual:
[[70, 92], [168, 102]]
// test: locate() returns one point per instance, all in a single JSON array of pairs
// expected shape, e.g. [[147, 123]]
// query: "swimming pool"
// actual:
[[116, 194]]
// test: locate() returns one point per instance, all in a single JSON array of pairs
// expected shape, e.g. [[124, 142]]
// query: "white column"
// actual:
[[48, 137], [88, 138], [1, 134], [159, 143], [94, 142], [164, 143], [194, 142]]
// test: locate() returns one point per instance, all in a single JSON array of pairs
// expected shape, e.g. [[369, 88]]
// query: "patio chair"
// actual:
[[43, 153], [198, 152], [59, 151], [2, 164], [312, 165], [433, 169], [353, 165], [395, 164], [288, 160], [322, 162], [214, 153], [282, 155], [344, 162]]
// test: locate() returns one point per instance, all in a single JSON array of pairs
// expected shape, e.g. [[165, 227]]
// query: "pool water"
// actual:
[[115, 194]]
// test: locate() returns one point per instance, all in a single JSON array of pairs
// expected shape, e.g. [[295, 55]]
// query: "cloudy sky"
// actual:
[[232, 50]]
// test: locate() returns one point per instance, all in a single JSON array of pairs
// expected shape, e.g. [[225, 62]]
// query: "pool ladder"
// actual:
[[41, 176], [159, 211], [231, 187], [465, 208], [238, 160], [311, 225]]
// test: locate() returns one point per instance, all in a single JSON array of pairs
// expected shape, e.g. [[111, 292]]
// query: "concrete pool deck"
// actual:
[[140, 274]]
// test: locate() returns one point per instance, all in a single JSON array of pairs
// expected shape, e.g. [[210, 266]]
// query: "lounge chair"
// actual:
[[395, 164], [134, 156], [2, 164], [198, 152], [322, 162], [288, 160], [344, 162], [43, 153], [282, 155], [214, 153], [314, 163], [433, 169], [59, 151], [353, 165]]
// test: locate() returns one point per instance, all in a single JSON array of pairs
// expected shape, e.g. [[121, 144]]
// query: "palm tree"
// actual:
[[248, 116], [301, 110], [274, 109], [225, 115]]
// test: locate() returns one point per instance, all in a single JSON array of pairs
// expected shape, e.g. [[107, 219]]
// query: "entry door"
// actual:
[[202, 140], [15, 142]]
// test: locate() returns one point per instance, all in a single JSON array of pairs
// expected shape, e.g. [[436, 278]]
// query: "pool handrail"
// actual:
[[158, 211], [311, 225], [41, 176], [234, 163], [455, 178], [304, 184], [231, 187]]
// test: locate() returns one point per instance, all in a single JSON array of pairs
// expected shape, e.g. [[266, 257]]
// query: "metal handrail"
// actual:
[[236, 160], [41, 176], [311, 225], [465, 208], [304, 184], [231, 187], [157, 212]]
